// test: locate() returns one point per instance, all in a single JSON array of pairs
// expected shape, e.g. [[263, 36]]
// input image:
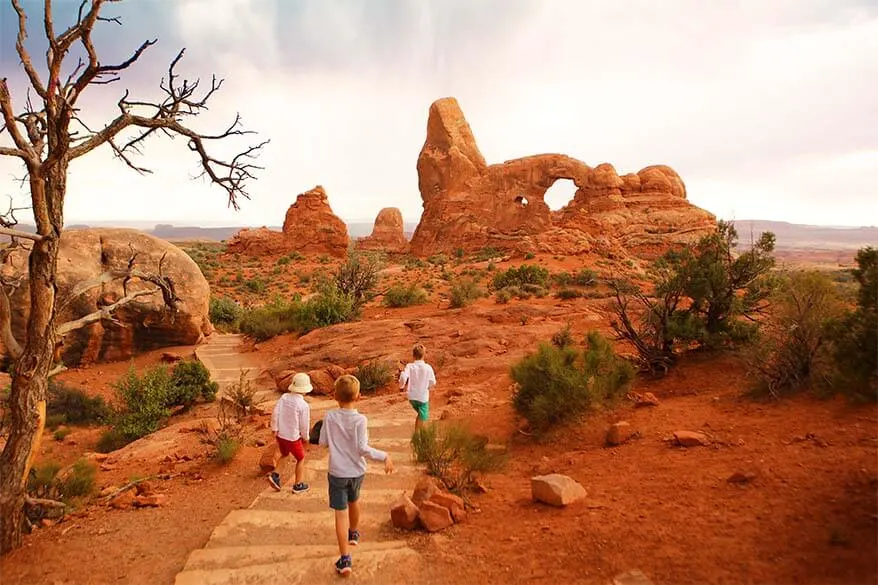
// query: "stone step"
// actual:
[[234, 557], [263, 527], [316, 499], [394, 565], [401, 466]]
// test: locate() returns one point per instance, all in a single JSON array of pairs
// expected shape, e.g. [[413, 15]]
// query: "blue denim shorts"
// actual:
[[343, 490]]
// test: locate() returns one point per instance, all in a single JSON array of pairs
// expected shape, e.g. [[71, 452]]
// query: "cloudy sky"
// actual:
[[767, 108]]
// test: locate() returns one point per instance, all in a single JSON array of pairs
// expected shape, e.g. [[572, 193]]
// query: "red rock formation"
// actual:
[[469, 205], [310, 227], [388, 235], [142, 325]]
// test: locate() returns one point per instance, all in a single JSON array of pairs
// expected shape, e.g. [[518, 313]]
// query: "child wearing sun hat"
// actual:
[[290, 422]]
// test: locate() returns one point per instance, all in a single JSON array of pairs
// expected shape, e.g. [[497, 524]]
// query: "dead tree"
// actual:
[[46, 135]]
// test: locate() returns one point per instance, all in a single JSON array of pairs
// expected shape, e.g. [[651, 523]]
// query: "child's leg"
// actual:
[[300, 470], [353, 515], [341, 531]]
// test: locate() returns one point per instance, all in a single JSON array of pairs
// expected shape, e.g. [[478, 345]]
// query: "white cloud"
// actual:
[[766, 108]]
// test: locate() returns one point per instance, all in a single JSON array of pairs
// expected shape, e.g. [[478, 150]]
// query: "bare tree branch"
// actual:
[[23, 150], [20, 234], [22, 51], [104, 313], [9, 342]]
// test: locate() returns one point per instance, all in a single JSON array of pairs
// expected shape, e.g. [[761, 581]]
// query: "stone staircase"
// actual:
[[222, 355], [286, 538]]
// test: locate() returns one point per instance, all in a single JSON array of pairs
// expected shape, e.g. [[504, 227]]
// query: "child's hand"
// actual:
[[388, 465]]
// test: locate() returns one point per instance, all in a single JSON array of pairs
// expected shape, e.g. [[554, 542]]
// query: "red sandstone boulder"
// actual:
[[388, 234], [470, 205], [310, 227], [322, 382], [434, 517], [404, 514], [145, 324]]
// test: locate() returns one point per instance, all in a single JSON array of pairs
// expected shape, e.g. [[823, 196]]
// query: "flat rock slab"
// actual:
[[556, 489], [632, 577], [691, 439]]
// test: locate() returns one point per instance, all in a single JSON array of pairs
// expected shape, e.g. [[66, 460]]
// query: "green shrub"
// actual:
[[459, 253], [190, 380], [41, 479], [503, 296], [562, 278], [270, 320], [61, 433], [529, 256], [438, 259], [563, 338], [224, 312], [373, 375], [464, 292], [358, 277], [145, 399], [53, 421], [520, 275], [328, 307], [242, 394], [79, 481], [110, 440], [568, 293], [256, 285], [554, 385], [405, 296], [227, 448], [454, 455], [74, 405], [487, 254], [585, 277], [534, 289]]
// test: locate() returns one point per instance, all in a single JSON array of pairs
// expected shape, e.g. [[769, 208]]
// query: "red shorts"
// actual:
[[295, 448]]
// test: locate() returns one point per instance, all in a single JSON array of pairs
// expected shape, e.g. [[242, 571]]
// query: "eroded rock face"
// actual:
[[388, 234], [469, 204], [87, 253], [310, 227]]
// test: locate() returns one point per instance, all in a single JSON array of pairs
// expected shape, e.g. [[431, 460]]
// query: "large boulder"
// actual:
[[310, 227], [469, 204], [143, 324], [388, 234]]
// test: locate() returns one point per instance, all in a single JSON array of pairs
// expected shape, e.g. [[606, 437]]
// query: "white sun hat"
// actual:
[[301, 384]]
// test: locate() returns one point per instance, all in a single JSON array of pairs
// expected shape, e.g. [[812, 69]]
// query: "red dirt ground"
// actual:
[[809, 516]]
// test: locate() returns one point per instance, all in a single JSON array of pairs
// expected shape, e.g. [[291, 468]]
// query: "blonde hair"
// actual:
[[418, 351], [347, 389]]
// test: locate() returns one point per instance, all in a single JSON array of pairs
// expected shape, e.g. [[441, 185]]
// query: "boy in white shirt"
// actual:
[[291, 421], [344, 432], [420, 378]]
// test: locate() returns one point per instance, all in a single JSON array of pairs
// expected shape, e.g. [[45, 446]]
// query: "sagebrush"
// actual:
[[454, 455]]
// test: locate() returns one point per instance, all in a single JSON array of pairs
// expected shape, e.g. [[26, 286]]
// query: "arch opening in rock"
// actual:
[[560, 194], [521, 201]]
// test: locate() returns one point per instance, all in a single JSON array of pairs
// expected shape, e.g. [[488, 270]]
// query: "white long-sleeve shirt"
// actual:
[[344, 432], [420, 377], [291, 417]]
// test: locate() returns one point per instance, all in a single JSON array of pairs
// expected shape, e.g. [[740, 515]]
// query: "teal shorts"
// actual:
[[422, 408]]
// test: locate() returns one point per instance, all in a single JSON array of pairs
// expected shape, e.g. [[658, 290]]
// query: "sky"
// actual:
[[768, 109]]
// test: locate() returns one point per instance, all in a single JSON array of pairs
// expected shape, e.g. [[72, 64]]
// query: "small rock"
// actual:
[[151, 501], [434, 517], [424, 490], [270, 458], [647, 399], [124, 500], [556, 489], [479, 487], [108, 490], [691, 439], [404, 513], [96, 456], [145, 488], [741, 477], [632, 577], [46, 523], [452, 503], [260, 442], [619, 433], [171, 358]]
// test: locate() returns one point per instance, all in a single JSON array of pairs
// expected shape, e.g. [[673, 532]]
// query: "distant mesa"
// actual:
[[142, 325], [310, 227], [469, 204], [388, 233]]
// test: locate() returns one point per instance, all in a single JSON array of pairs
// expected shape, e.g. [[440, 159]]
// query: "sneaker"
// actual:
[[343, 566], [353, 537], [274, 480], [301, 487]]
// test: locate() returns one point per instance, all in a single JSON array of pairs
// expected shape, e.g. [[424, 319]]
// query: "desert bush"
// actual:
[[78, 481], [190, 380], [227, 448], [703, 295], [563, 338], [791, 352], [256, 285], [65, 404], [464, 292], [405, 296], [454, 455], [438, 259], [373, 375], [529, 256], [61, 434], [487, 254], [145, 403], [534, 289], [241, 394], [329, 307], [41, 479], [358, 277], [275, 318], [459, 253], [584, 277], [502, 296], [568, 293], [563, 278], [854, 336], [556, 384], [224, 312], [520, 275]]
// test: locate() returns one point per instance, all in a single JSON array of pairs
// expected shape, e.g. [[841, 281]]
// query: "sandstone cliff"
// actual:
[[469, 204], [388, 235]]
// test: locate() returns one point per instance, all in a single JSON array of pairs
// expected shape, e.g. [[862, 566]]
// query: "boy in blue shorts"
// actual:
[[344, 432], [420, 378]]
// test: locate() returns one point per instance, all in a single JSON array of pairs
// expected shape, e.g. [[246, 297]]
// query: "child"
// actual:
[[420, 378], [291, 421], [344, 432]]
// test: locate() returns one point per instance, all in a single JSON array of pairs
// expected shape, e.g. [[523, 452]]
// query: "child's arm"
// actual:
[[324, 436], [403, 378], [432, 379], [363, 447], [274, 416], [305, 423]]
